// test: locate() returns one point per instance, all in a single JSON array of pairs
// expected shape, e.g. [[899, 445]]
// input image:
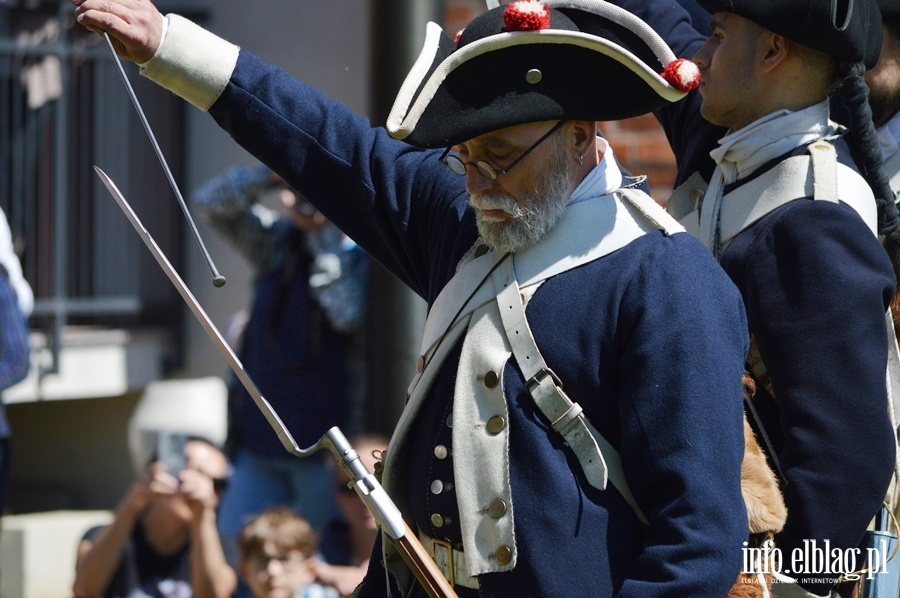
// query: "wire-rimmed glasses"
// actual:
[[455, 163]]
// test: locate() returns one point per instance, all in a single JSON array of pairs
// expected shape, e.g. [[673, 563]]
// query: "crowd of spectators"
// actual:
[[164, 541]]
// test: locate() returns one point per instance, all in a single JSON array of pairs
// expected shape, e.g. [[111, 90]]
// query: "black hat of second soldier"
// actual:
[[846, 29]]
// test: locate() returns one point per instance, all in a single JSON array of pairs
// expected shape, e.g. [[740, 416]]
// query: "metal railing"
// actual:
[[63, 108]]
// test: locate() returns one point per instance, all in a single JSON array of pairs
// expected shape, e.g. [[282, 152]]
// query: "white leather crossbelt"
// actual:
[[450, 561]]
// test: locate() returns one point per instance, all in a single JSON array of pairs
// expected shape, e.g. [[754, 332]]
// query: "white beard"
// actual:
[[531, 220]]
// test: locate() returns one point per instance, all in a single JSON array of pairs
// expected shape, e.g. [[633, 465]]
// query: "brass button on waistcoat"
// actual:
[[491, 379], [440, 451], [437, 487], [503, 555], [497, 508], [496, 424], [437, 520]]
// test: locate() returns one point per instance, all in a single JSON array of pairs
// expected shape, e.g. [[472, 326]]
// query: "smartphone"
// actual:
[[170, 450]]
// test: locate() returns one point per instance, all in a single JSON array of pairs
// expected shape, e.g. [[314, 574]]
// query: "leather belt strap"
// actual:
[[450, 561], [599, 459]]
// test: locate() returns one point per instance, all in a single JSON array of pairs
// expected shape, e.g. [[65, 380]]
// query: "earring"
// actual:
[[580, 159]]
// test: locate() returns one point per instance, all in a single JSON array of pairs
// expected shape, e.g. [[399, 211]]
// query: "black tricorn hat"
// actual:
[[845, 29], [530, 61], [890, 9]]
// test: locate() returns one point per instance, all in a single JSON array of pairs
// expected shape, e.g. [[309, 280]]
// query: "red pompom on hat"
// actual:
[[682, 74], [526, 15]]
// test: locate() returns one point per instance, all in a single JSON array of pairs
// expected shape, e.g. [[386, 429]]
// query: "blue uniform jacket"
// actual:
[[650, 340], [816, 284]]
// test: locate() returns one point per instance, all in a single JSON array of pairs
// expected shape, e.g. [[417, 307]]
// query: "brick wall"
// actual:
[[641, 147], [639, 143]]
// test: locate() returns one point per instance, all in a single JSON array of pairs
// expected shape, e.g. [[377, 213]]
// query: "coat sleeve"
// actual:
[[397, 201], [682, 421], [401, 206], [816, 306], [14, 350]]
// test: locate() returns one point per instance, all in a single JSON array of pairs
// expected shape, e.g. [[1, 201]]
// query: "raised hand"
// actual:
[[155, 482], [134, 26]]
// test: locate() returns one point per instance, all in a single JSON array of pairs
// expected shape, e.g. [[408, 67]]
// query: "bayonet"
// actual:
[[366, 485]]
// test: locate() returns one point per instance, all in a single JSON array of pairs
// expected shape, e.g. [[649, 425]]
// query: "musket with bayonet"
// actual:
[[362, 481]]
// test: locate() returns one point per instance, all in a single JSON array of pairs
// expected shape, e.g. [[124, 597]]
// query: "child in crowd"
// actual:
[[276, 547]]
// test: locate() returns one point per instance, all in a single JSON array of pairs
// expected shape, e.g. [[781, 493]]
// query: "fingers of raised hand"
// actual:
[[134, 26], [159, 481], [196, 485]]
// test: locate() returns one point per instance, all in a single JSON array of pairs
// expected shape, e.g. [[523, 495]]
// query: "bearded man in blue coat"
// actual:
[[575, 421]]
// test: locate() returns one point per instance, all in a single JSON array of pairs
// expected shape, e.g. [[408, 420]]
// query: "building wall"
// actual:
[[71, 451]]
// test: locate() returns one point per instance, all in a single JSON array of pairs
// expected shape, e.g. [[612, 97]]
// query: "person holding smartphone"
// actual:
[[163, 540], [302, 343]]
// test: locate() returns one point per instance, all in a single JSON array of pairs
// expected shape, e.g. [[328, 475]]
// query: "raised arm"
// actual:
[[690, 136], [229, 202], [211, 576], [385, 194]]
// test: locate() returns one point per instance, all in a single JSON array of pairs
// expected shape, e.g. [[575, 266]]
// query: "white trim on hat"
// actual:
[[409, 120], [433, 34]]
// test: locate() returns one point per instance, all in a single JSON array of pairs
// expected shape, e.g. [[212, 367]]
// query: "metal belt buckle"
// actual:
[[443, 557], [536, 380]]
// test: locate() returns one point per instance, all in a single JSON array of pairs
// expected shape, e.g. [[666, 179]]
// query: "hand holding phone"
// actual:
[[170, 450]]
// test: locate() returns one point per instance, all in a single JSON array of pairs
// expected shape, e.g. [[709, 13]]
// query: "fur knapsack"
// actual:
[[766, 511]]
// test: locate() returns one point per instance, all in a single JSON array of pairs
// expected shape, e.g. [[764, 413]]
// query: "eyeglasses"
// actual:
[[288, 562], [454, 163]]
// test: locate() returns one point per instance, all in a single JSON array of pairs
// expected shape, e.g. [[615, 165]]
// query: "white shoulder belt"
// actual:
[[816, 174]]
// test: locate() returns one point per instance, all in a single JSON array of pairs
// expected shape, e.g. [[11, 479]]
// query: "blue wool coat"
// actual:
[[650, 340], [816, 283]]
